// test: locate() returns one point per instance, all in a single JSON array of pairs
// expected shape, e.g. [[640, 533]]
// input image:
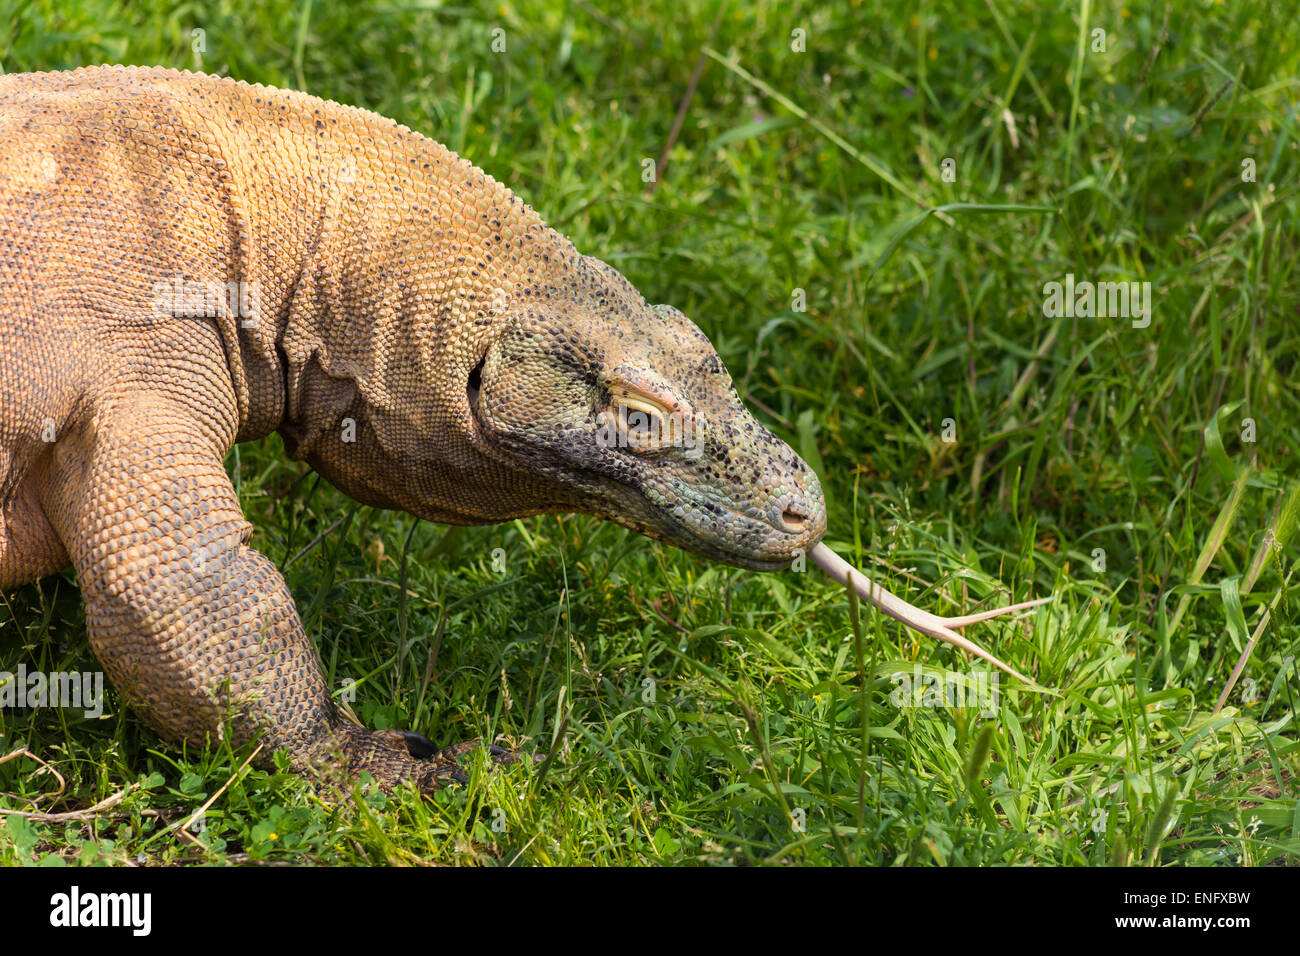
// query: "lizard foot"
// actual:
[[499, 755], [392, 757]]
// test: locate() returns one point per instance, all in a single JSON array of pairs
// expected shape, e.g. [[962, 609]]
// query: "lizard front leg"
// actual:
[[197, 630]]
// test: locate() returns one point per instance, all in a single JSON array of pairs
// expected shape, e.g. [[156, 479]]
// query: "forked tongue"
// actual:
[[914, 617]]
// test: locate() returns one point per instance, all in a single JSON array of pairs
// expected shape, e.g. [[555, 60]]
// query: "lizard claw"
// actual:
[[418, 745], [499, 755]]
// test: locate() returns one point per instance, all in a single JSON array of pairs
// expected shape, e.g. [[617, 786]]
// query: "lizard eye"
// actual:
[[641, 426], [646, 417]]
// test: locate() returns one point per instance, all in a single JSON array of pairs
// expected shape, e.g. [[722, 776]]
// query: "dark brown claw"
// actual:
[[418, 745], [393, 757], [499, 755]]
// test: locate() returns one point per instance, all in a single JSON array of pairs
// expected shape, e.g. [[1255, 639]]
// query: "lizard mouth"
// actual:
[[718, 529]]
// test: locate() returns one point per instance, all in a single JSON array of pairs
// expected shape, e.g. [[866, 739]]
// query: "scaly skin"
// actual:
[[414, 331]]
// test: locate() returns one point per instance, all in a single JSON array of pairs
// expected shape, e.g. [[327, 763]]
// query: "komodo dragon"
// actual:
[[187, 262]]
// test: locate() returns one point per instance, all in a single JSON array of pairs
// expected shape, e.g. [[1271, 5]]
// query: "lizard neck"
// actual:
[[408, 274]]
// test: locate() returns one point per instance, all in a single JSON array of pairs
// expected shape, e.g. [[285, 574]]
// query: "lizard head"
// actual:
[[629, 410]]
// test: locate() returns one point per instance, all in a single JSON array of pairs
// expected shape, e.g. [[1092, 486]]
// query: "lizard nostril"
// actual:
[[794, 519]]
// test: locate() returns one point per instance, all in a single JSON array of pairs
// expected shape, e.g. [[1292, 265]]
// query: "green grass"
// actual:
[[707, 715]]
